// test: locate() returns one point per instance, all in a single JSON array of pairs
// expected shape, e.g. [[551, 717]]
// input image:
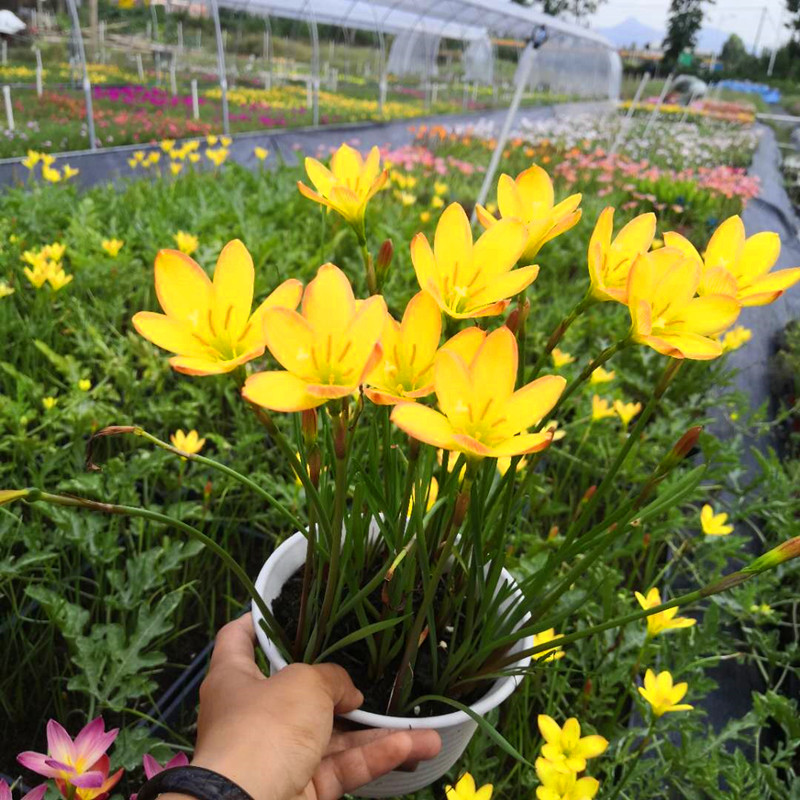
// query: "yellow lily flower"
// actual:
[[466, 279], [530, 198], [559, 783], [211, 140], [664, 620], [405, 371], [348, 185], [601, 408], [70, 172], [626, 411], [465, 789], [50, 174], [209, 325], [31, 160], [49, 403], [112, 246], [554, 653], [54, 251], [175, 167], [738, 265], [430, 497], [260, 153], [561, 358], [601, 375], [225, 141], [481, 414], [327, 350], [167, 145], [566, 746], [736, 338], [662, 695], [186, 242], [47, 159], [611, 261], [84, 384], [58, 279], [714, 524], [188, 442], [5, 289], [218, 156], [666, 315], [504, 463]]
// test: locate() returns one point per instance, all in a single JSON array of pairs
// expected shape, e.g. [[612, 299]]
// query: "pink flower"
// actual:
[[33, 794], [78, 763], [152, 767]]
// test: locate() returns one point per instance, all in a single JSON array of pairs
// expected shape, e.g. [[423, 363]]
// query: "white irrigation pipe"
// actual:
[[623, 128], [87, 86], [195, 101], [9, 108], [223, 78], [654, 113]]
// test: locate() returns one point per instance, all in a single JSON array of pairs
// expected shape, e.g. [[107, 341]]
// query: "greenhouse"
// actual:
[[398, 399]]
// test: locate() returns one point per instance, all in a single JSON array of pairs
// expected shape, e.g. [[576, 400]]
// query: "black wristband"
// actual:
[[195, 781]]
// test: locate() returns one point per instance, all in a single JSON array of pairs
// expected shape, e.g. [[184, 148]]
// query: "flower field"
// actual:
[[101, 613]]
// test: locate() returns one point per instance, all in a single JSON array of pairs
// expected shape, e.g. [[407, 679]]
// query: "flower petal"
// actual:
[[726, 244], [37, 762], [169, 333], [424, 424], [549, 728], [208, 366], [290, 339], [707, 315], [535, 192], [59, 743], [509, 201], [498, 249], [328, 302], [769, 288], [234, 278], [684, 345], [319, 175], [466, 343], [420, 330], [504, 286], [592, 746], [677, 242], [424, 263], [183, 288], [93, 740], [452, 244], [532, 403], [279, 391], [522, 444]]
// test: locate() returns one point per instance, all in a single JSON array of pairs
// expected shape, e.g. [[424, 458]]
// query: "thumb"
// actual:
[[233, 647]]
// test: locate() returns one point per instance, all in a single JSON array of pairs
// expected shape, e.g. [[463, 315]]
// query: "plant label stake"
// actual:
[[5, 52], [195, 101], [39, 75], [180, 37], [9, 109], [173, 83], [140, 66]]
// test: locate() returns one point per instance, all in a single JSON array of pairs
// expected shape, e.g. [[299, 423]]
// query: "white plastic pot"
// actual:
[[455, 729]]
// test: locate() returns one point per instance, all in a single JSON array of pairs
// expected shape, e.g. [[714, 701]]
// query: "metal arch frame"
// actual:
[[87, 84], [221, 68]]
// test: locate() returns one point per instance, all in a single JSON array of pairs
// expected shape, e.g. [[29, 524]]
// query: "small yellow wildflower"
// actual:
[[112, 246], [433, 493], [763, 608], [554, 653], [225, 141], [714, 524], [54, 251], [565, 746], [407, 199], [425, 216], [626, 411], [5, 289], [465, 790], [218, 156], [167, 145], [437, 202], [662, 695], [561, 358], [58, 279], [47, 159], [211, 140], [49, 403], [153, 158], [175, 167], [664, 620], [186, 242], [260, 153], [735, 338], [440, 188], [194, 157], [559, 783], [188, 442], [504, 462], [50, 174], [601, 375], [84, 384], [70, 172], [601, 409], [31, 160]]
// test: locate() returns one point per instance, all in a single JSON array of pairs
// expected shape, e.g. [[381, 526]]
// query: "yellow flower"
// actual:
[[714, 524], [225, 141], [466, 279], [209, 325], [49, 402], [133, 163], [439, 188], [112, 246], [738, 265], [405, 371], [58, 279], [437, 202], [211, 140], [153, 157], [626, 411], [561, 358], [194, 157], [764, 609], [5, 289], [601, 375], [432, 494], [601, 408], [47, 159], [554, 653], [260, 153], [664, 620], [559, 783], [38, 275], [530, 198], [188, 442], [70, 172], [465, 790], [504, 462], [407, 199], [138, 157], [611, 261], [481, 414], [218, 156], [31, 160], [348, 185], [327, 350], [565, 746], [425, 216], [666, 315], [175, 167], [50, 174], [186, 242], [660, 693], [54, 251], [84, 384], [735, 338], [167, 145]]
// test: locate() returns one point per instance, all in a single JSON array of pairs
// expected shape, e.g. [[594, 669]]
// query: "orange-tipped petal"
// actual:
[[424, 424], [168, 333], [279, 391]]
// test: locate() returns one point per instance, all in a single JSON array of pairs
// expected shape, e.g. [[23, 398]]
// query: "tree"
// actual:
[[685, 20], [793, 21], [734, 52], [578, 9]]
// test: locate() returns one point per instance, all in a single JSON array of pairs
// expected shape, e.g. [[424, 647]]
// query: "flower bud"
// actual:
[[686, 443], [778, 555], [516, 319], [9, 495], [308, 424], [384, 259]]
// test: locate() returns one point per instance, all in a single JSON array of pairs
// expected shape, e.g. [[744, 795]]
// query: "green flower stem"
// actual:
[[369, 267], [607, 354], [274, 629], [633, 763], [237, 476], [661, 387], [558, 333]]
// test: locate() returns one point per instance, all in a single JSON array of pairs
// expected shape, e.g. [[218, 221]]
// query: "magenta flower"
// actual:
[[33, 794], [152, 767], [77, 763]]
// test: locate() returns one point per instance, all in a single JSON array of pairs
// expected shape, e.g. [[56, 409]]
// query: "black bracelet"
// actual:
[[195, 781]]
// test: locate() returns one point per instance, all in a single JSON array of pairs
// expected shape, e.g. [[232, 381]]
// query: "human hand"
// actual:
[[274, 737]]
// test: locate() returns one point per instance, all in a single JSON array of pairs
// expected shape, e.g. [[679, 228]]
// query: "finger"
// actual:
[[345, 740], [233, 646], [345, 771], [336, 683]]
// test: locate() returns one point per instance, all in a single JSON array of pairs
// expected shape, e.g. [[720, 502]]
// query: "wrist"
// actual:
[[250, 778]]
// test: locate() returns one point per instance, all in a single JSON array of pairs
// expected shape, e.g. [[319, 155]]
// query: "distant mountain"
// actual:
[[633, 32]]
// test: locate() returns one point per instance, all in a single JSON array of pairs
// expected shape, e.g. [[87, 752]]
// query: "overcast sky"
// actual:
[[731, 16]]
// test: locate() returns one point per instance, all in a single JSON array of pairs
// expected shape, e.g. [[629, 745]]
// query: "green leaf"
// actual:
[[361, 633]]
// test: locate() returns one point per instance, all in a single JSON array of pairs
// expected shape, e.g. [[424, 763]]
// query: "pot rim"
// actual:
[[501, 689]]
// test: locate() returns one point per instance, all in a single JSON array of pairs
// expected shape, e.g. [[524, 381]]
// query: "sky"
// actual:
[[731, 16]]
